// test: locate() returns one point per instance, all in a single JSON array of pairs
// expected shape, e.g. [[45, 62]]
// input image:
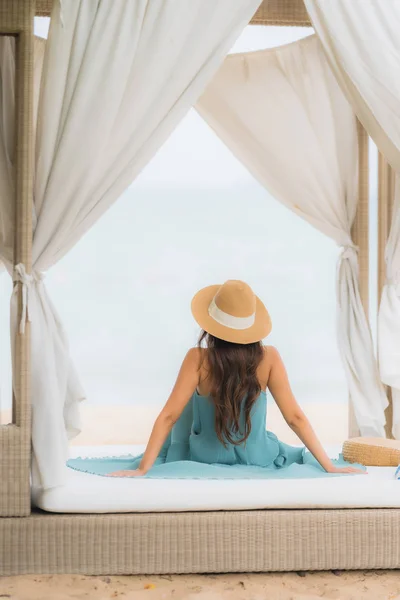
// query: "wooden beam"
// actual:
[[16, 18], [43, 8], [360, 229], [386, 183], [360, 237], [386, 186], [285, 13]]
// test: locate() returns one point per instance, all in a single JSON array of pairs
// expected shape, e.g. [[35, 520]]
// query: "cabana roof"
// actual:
[[291, 13]]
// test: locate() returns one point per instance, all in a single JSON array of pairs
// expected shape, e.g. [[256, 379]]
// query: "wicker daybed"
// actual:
[[32, 541], [214, 542]]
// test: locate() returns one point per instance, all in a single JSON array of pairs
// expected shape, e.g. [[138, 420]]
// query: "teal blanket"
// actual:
[[175, 460], [309, 468]]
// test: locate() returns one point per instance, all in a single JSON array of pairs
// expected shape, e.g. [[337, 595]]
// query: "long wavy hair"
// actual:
[[232, 374]]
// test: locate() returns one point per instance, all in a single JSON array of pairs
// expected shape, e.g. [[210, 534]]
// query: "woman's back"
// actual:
[[262, 373], [259, 448]]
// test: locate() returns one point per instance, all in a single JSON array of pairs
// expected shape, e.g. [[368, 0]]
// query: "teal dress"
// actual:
[[193, 451], [261, 449]]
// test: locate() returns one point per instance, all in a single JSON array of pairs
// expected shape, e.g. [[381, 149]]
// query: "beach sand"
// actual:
[[337, 585], [132, 425]]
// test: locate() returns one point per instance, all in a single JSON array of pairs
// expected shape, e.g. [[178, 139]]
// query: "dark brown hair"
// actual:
[[232, 374]]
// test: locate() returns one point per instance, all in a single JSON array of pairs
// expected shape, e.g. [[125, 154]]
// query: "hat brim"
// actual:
[[258, 331]]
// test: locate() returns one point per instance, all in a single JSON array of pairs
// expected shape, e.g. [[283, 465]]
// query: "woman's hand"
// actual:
[[334, 469], [135, 473]]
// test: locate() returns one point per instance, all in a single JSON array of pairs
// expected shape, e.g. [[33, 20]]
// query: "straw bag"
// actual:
[[373, 452]]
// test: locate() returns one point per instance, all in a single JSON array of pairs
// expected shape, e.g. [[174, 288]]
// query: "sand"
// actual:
[[337, 585], [132, 425]]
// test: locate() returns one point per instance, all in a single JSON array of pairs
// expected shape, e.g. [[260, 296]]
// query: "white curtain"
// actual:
[[389, 315], [362, 43], [117, 79], [283, 115]]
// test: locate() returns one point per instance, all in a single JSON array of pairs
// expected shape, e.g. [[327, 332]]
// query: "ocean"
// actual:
[[124, 291]]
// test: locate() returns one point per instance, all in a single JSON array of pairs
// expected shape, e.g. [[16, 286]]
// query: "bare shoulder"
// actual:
[[271, 355], [191, 365], [265, 366], [194, 358]]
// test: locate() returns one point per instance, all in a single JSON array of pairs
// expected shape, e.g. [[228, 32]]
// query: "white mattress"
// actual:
[[85, 493]]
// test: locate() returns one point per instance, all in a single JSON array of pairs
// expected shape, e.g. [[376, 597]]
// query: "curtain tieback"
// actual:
[[21, 276], [349, 250]]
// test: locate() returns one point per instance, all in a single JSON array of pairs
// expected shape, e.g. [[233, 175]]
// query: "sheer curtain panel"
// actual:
[[282, 113], [362, 43], [117, 79]]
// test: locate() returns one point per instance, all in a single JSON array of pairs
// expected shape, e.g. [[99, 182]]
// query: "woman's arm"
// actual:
[[279, 386], [184, 387]]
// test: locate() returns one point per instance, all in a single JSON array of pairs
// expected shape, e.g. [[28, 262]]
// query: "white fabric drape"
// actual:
[[362, 43], [283, 115], [117, 79], [389, 315]]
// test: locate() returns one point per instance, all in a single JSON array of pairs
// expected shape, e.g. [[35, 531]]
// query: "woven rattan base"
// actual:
[[268, 540]]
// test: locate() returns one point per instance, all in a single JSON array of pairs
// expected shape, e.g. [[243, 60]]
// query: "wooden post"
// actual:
[[360, 236], [16, 19], [386, 186]]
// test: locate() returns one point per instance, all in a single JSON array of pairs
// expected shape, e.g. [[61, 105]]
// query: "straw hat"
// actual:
[[231, 312]]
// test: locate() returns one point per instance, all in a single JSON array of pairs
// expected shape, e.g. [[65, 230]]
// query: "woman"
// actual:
[[226, 383]]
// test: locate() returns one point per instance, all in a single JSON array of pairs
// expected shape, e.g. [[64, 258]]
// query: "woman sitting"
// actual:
[[225, 381]]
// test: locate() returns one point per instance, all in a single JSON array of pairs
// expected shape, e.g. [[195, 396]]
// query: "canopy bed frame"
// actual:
[[33, 541]]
